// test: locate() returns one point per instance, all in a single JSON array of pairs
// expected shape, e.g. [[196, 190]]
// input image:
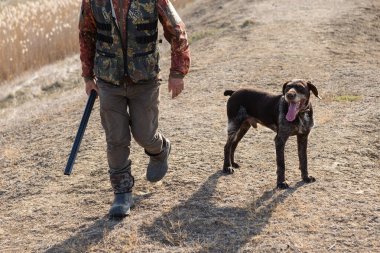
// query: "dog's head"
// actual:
[[297, 95]]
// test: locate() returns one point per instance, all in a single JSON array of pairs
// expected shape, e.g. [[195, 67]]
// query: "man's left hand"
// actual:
[[176, 86]]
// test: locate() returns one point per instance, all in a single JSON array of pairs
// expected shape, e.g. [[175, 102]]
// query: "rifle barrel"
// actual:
[[80, 133]]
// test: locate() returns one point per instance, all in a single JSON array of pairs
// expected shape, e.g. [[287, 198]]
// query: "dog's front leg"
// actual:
[[280, 141], [302, 155]]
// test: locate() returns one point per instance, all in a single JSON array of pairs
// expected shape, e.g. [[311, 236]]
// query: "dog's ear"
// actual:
[[284, 87], [313, 89]]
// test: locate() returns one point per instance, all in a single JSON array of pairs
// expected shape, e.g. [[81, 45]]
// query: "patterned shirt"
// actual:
[[174, 33]]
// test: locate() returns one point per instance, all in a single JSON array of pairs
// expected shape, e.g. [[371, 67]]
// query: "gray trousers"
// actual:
[[126, 110]]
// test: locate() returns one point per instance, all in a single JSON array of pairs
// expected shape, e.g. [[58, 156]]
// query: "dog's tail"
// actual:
[[228, 92]]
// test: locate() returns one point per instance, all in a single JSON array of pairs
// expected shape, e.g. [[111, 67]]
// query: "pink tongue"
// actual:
[[292, 112]]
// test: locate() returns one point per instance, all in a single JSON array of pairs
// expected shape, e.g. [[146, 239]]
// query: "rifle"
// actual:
[[80, 133]]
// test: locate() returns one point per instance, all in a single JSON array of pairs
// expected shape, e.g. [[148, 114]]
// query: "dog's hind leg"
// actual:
[[227, 168], [239, 135], [233, 128], [234, 124]]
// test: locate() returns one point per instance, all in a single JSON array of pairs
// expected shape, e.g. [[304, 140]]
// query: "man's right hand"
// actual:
[[91, 85]]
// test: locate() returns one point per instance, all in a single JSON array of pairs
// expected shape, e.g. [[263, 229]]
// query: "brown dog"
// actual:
[[288, 114]]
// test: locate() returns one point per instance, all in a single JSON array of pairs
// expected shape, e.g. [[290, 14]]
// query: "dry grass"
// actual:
[[181, 3], [35, 33], [199, 35], [347, 98]]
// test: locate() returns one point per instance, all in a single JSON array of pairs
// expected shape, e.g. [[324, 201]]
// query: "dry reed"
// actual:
[[35, 33]]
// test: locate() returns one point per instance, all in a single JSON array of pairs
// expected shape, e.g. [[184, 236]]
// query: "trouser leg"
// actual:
[[143, 105], [115, 121]]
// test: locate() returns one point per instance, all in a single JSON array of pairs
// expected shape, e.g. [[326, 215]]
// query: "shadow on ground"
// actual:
[[84, 239], [89, 236], [200, 224]]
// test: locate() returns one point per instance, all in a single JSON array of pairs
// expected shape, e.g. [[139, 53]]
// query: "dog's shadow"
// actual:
[[198, 223], [89, 236]]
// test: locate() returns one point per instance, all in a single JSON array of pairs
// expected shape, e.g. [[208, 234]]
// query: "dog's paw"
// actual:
[[282, 185], [228, 170], [235, 165], [309, 179]]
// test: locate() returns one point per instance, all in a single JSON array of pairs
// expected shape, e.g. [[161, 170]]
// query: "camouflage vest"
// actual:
[[140, 61]]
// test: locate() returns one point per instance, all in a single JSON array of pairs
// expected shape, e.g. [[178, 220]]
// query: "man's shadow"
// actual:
[[89, 236], [200, 223], [85, 238]]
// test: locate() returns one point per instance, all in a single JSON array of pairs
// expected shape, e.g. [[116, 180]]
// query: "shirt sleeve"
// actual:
[[175, 34], [87, 39]]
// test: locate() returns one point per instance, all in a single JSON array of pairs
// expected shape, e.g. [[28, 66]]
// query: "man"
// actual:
[[119, 55]]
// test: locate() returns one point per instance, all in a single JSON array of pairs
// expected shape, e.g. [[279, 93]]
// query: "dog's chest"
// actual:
[[305, 123]]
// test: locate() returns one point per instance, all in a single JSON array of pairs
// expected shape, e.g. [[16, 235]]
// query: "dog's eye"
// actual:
[[288, 88], [300, 89]]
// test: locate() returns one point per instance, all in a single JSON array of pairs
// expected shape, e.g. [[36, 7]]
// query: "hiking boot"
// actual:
[[121, 205], [158, 164]]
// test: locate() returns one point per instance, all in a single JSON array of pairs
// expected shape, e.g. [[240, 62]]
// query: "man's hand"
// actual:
[[91, 85], [176, 86]]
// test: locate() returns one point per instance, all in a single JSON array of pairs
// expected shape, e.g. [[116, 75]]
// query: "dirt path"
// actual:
[[241, 43]]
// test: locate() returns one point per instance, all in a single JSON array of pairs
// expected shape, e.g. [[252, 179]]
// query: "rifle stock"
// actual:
[[80, 133]]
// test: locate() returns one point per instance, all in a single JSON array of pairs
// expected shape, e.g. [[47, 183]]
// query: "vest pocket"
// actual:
[[145, 66], [106, 54], [106, 67], [145, 39], [144, 53], [150, 26]]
